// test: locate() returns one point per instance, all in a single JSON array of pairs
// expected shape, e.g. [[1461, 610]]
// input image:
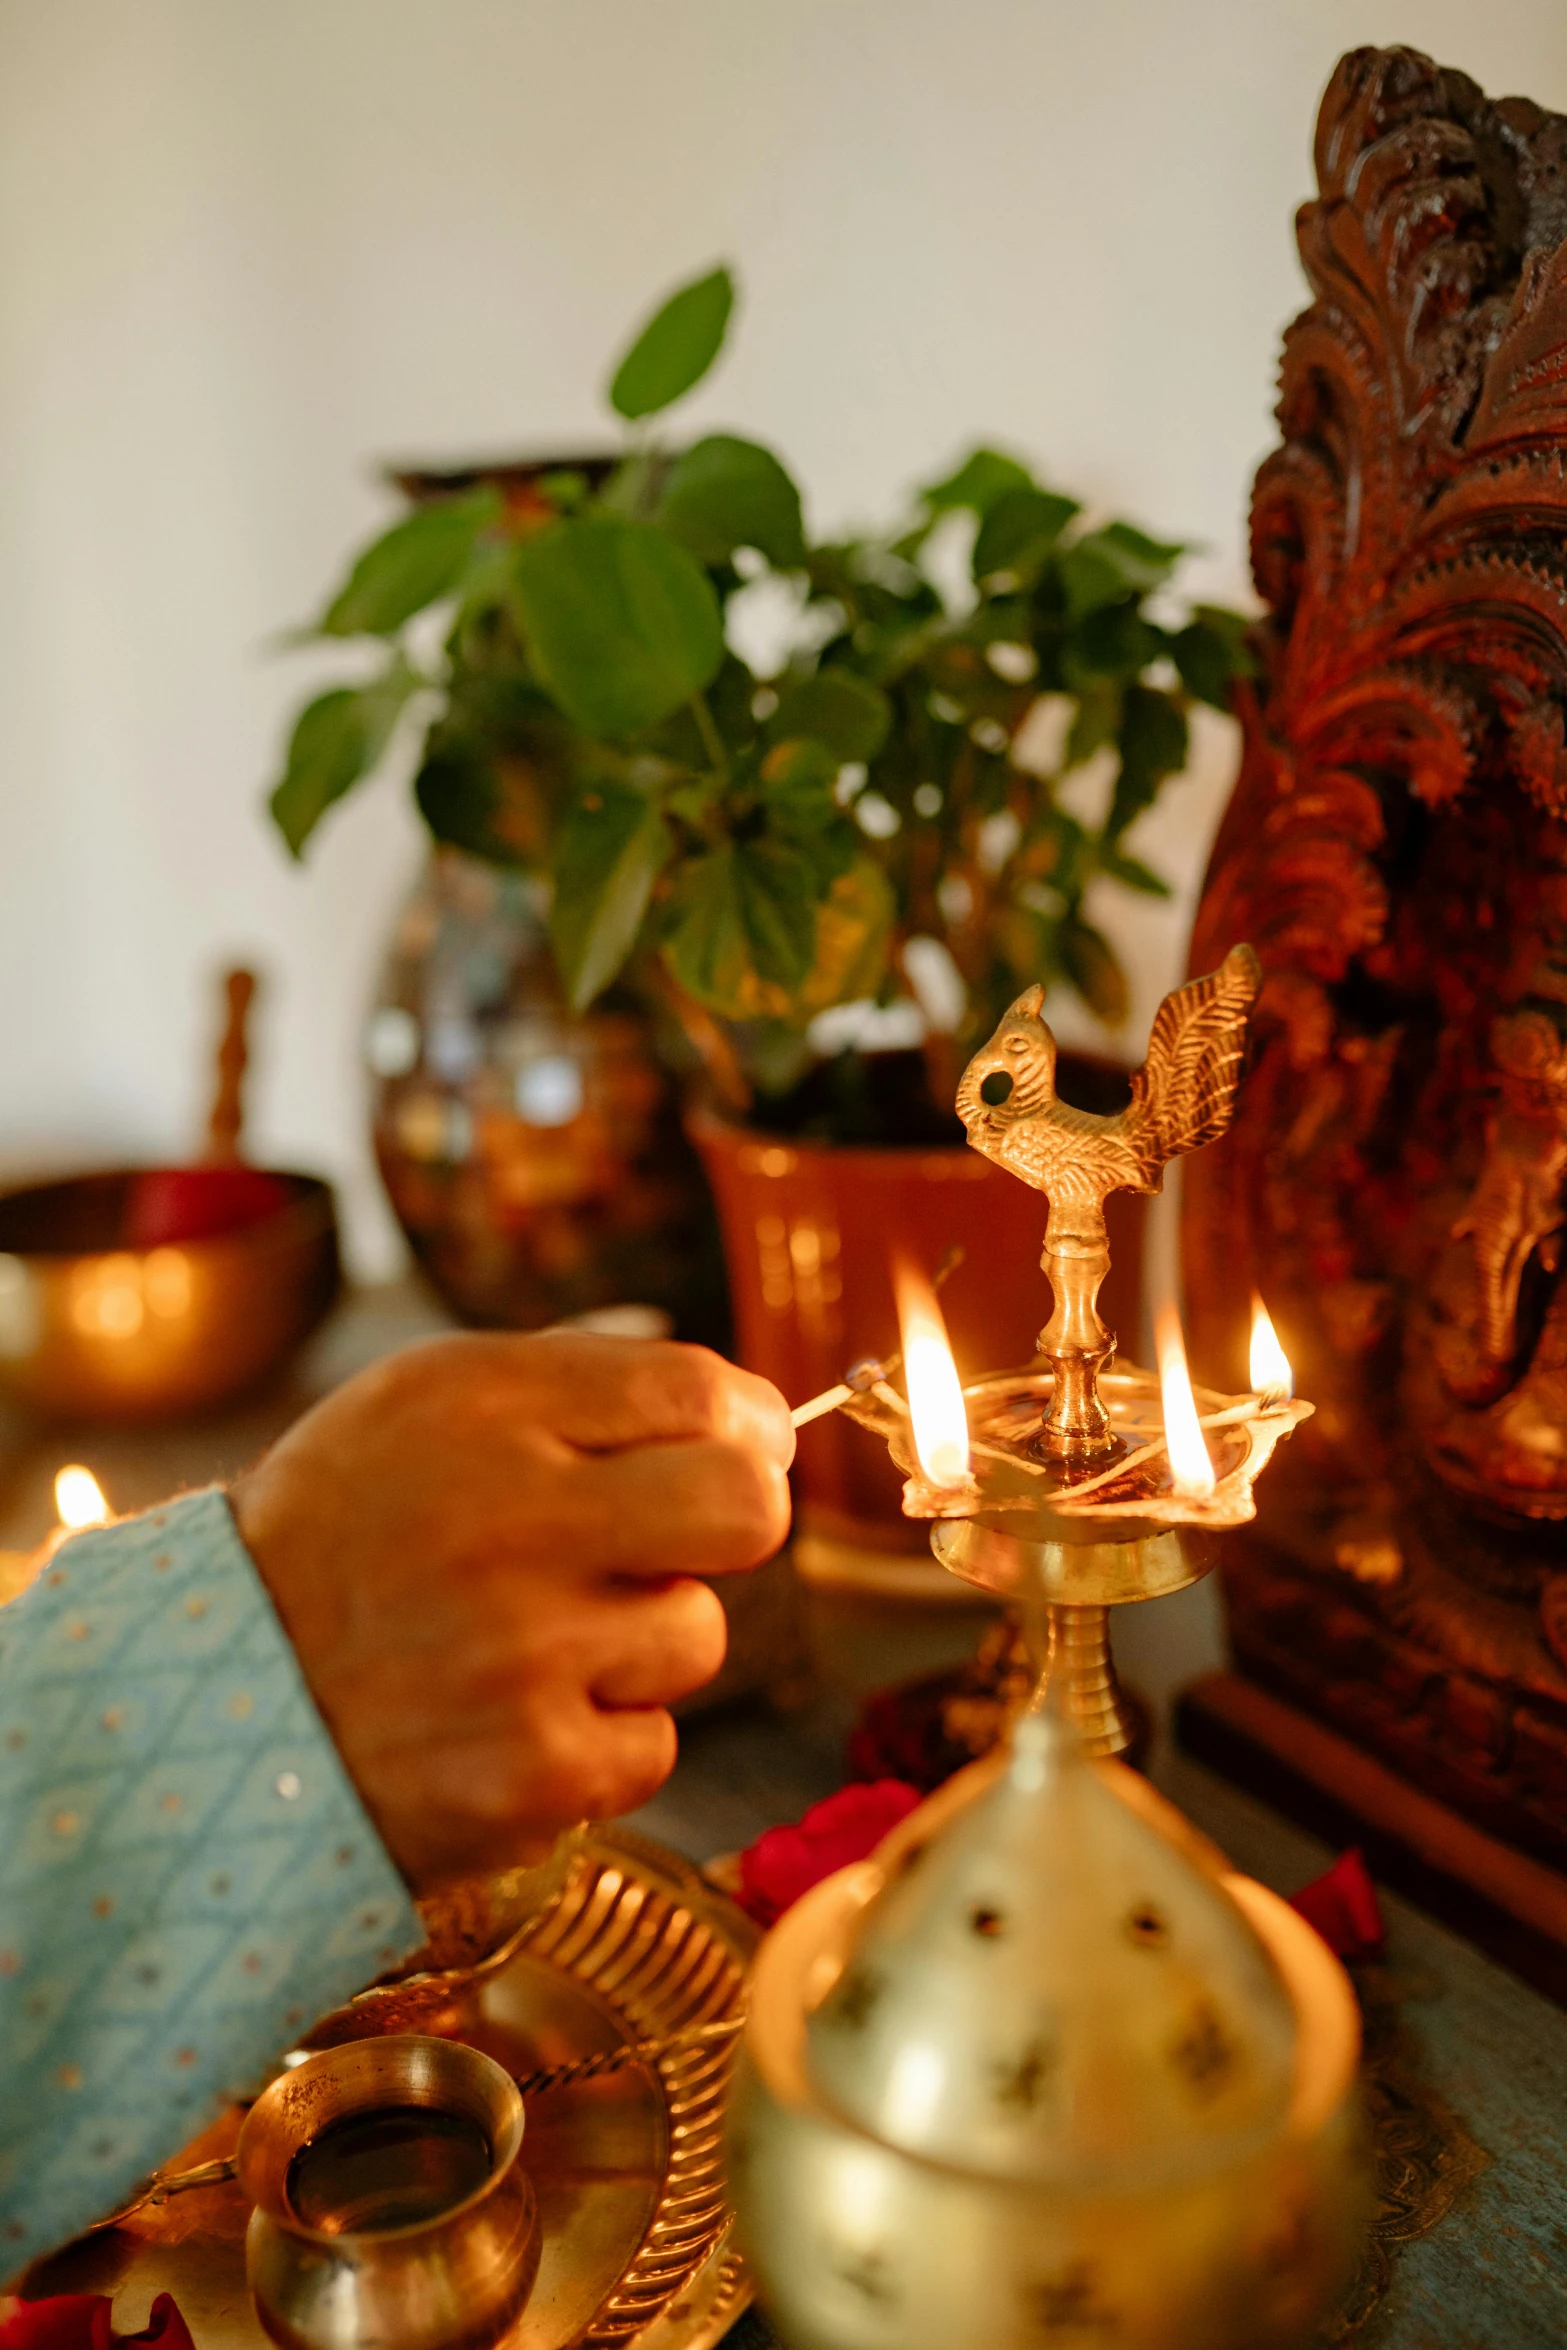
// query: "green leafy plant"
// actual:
[[757, 848]]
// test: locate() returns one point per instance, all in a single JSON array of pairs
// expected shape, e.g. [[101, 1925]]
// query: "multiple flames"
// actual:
[[936, 1410], [940, 1423]]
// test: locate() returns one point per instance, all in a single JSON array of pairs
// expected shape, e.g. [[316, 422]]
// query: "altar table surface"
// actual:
[[1478, 2047], [1490, 2275]]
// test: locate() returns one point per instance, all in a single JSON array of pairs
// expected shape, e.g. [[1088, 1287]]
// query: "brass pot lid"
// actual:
[[1049, 1990]]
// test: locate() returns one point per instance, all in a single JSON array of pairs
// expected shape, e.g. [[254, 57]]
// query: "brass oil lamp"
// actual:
[[1079, 1485], [1044, 2069]]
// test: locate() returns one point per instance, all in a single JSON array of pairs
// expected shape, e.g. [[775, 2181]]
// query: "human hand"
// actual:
[[482, 1551]]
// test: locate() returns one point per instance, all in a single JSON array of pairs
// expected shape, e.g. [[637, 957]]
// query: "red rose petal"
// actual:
[[85, 2321], [1342, 1905], [61, 2321], [786, 1862]]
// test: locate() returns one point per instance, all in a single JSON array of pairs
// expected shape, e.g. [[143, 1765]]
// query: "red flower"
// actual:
[[81, 2321], [786, 1862], [1342, 1905]]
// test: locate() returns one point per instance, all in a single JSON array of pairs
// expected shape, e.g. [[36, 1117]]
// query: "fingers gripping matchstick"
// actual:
[[861, 1377]]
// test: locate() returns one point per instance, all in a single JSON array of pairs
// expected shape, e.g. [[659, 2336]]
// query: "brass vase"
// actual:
[[533, 1155]]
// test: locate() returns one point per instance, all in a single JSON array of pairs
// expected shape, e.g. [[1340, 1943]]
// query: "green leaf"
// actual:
[[1054, 853], [1153, 745], [676, 347], [1098, 717], [1115, 641], [704, 947], [832, 841], [983, 478], [622, 623], [613, 847], [745, 914], [337, 739], [1089, 961], [418, 561], [853, 933], [1117, 561], [776, 893], [1132, 873], [799, 780], [849, 715], [1019, 530], [726, 493], [1211, 652], [463, 801]]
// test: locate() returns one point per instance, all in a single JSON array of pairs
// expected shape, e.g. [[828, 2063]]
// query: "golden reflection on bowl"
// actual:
[[92, 1329]]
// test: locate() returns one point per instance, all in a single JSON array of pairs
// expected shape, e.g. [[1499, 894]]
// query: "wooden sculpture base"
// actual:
[[1513, 1906]]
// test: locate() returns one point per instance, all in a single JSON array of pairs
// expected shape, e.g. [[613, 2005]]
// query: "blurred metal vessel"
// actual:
[[94, 1328], [1041, 2070], [152, 1293], [533, 1155]]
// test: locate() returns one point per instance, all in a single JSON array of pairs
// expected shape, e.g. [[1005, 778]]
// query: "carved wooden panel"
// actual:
[[1396, 850]]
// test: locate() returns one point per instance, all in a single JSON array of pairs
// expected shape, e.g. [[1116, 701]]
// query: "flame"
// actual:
[[1271, 1375], [931, 1376], [1191, 1471], [78, 1499]]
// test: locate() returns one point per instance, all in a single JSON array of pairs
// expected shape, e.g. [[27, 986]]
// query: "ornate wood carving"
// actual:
[[1396, 850]]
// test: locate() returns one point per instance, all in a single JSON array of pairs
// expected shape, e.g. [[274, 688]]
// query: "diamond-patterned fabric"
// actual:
[[187, 1877]]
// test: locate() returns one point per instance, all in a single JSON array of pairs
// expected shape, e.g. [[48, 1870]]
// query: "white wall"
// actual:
[[246, 250]]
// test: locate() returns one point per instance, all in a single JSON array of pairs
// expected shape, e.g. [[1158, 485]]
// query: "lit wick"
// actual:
[[1272, 1379], [1191, 1471], [935, 1392], [78, 1499]]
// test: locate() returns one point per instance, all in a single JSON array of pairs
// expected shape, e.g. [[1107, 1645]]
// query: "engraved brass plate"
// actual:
[[637, 2231]]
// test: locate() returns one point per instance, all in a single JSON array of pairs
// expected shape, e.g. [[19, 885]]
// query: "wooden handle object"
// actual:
[[226, 1123]]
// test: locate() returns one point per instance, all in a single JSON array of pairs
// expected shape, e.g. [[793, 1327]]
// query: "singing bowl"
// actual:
[[93, 1329], [857, 2245], [456, 2281]]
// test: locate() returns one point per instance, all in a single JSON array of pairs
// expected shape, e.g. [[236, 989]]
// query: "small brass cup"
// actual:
[[453, 2280]]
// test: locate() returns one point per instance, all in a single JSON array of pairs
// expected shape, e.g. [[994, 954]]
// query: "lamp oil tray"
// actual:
[[637, 2234]]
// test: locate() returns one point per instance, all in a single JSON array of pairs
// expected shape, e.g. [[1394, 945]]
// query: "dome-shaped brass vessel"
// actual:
[[1040, 2072]]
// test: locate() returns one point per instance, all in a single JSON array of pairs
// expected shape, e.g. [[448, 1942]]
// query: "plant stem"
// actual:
[[712, 740], [712, 1046]]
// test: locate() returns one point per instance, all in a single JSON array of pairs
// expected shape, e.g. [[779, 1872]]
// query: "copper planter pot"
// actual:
[[811, 1231]]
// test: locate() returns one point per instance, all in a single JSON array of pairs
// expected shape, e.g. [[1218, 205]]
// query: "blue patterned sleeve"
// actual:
[[187, 1877]]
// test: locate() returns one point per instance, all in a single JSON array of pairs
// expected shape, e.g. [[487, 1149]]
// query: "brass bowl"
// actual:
[[93, 1329], [455, 2279]]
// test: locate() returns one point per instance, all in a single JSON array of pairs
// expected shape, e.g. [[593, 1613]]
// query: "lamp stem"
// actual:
[[1075, 1670]]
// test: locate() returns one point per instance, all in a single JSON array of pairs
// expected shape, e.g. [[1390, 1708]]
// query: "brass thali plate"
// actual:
[[637, 2233]]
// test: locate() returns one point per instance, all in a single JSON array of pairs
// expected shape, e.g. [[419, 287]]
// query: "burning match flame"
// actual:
[[78, 1499], [1271, 1375], [936, 1410], [1191, 1471]]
